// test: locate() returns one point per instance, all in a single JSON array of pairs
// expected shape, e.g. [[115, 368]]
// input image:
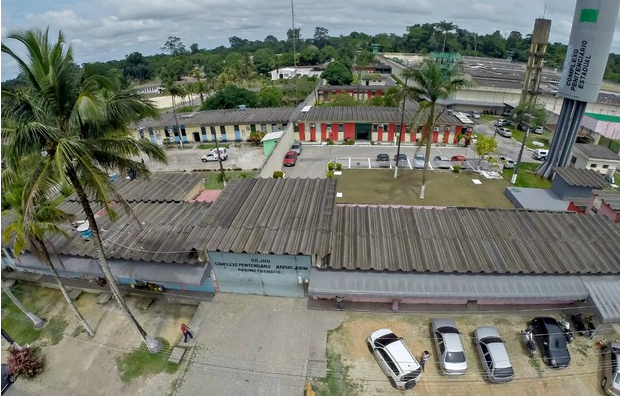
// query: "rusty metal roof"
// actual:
[[611, 198], [465, 240], [280, 216], [160, 232], [581, 177], [270, 115]]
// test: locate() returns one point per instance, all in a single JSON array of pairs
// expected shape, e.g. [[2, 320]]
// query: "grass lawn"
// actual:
[[141, 362], [378, 186], [544, 138], [35, 300], [213, 178], [527, 176]]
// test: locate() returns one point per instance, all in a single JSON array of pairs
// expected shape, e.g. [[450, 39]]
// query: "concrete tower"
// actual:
[[533, 72]]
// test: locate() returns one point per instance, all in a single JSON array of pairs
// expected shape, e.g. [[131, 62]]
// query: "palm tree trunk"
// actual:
[[38, 322], [152, 344], [40, 245], [176, 121], [430, 127]]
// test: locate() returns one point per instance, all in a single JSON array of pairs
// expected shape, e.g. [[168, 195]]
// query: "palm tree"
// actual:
[[29, 233], [174, 90], [79, 121], [431, 82], [36, 321]]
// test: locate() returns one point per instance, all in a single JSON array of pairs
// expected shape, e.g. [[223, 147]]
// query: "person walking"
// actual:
[[186, 332], [339, 300], [425, 356]]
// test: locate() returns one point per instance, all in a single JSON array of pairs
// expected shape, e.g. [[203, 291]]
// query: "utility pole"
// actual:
[[513, 180], [219, 159]]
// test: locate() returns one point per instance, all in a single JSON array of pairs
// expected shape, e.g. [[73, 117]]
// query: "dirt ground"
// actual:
[[79, 365], [532, 377]]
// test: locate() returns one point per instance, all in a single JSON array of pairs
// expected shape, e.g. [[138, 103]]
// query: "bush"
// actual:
[[330, 174], [349, 142], [456, 168], [278, 174], [24, 363], [338, 166], [330, 166], [330, 142], [222, 177]]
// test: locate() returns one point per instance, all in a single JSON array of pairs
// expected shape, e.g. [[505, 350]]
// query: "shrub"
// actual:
[[338, 166], [330, 174], [456, 168], [278, 174], [222, 177], [330, 166], [330, 142], [349, 142], [24, 363]]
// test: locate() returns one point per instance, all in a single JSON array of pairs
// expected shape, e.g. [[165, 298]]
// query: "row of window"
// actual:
[[173, 129], [375, 127]]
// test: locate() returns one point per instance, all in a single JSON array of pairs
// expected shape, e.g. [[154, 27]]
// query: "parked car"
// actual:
[[552, 342], [418, 161], [493, 355], [442, 162], [508, 162], [611, 369], [501, 122], [458, 158], [213, 155], [296, 147], [540, 154], [538, 130], [505, 132], [395, 359], [402, 160], [450, 352], [383, 160], [290, 159], [7, 377], [474, 114]]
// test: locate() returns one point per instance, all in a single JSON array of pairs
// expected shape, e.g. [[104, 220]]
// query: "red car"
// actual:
[[290, 159], [458, 158]]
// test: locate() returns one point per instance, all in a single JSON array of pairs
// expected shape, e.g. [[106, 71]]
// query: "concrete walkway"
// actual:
[[255, 345]]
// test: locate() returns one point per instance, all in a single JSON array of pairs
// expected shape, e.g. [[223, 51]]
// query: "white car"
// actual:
[[611, 369], [450, 352], [418, 161], [395, 359], [508, 162], [539, 130], [505, 132], [213, 155]]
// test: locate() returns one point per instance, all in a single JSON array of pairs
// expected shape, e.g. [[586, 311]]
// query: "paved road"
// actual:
[[259, 346], [505, 146]]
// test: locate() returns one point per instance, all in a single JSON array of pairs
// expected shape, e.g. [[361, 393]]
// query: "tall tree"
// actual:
[[431, 82], [337, 74], [445, 27], [30, 233], [320, 36], [264, 61], [80, 122], [174, 46]]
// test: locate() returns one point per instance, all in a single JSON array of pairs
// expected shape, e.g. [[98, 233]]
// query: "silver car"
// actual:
[[450, 352], [418, 161], [296, 147], [442, 162], [611, 369], [493, 355], [395, 359]]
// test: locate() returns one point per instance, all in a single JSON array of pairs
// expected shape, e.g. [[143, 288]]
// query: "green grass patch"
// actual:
[[207, 146], [527, 176], [488, 117], [143, 363], [378, 186], [337, 382], [537, 364], [21, 328], [213, 179], [531, 138]]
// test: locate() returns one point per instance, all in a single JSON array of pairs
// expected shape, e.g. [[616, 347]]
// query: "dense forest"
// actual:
[[245, 60]]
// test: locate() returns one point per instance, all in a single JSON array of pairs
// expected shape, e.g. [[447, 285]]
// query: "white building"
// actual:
[[292, 71]]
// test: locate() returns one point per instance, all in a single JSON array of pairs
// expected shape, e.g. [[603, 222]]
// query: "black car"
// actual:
[[7, 377], [383, 160], [552, 342]]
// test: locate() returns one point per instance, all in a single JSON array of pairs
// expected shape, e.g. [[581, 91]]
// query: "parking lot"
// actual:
[[532, 377]]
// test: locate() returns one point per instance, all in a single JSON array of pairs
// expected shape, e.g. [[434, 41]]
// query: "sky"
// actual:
[[102, 30]]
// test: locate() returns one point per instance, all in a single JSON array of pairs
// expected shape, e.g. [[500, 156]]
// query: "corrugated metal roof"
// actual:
[[605, 294], [371, 114], [465, 240], [280, 216], [611, 198], [446, 286], [207, 196], [597, 152], [167, 233], [159, 187], [581, 177], [269, 115]]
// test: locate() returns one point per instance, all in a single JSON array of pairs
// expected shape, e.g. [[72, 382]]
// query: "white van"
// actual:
[[540, 154]]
